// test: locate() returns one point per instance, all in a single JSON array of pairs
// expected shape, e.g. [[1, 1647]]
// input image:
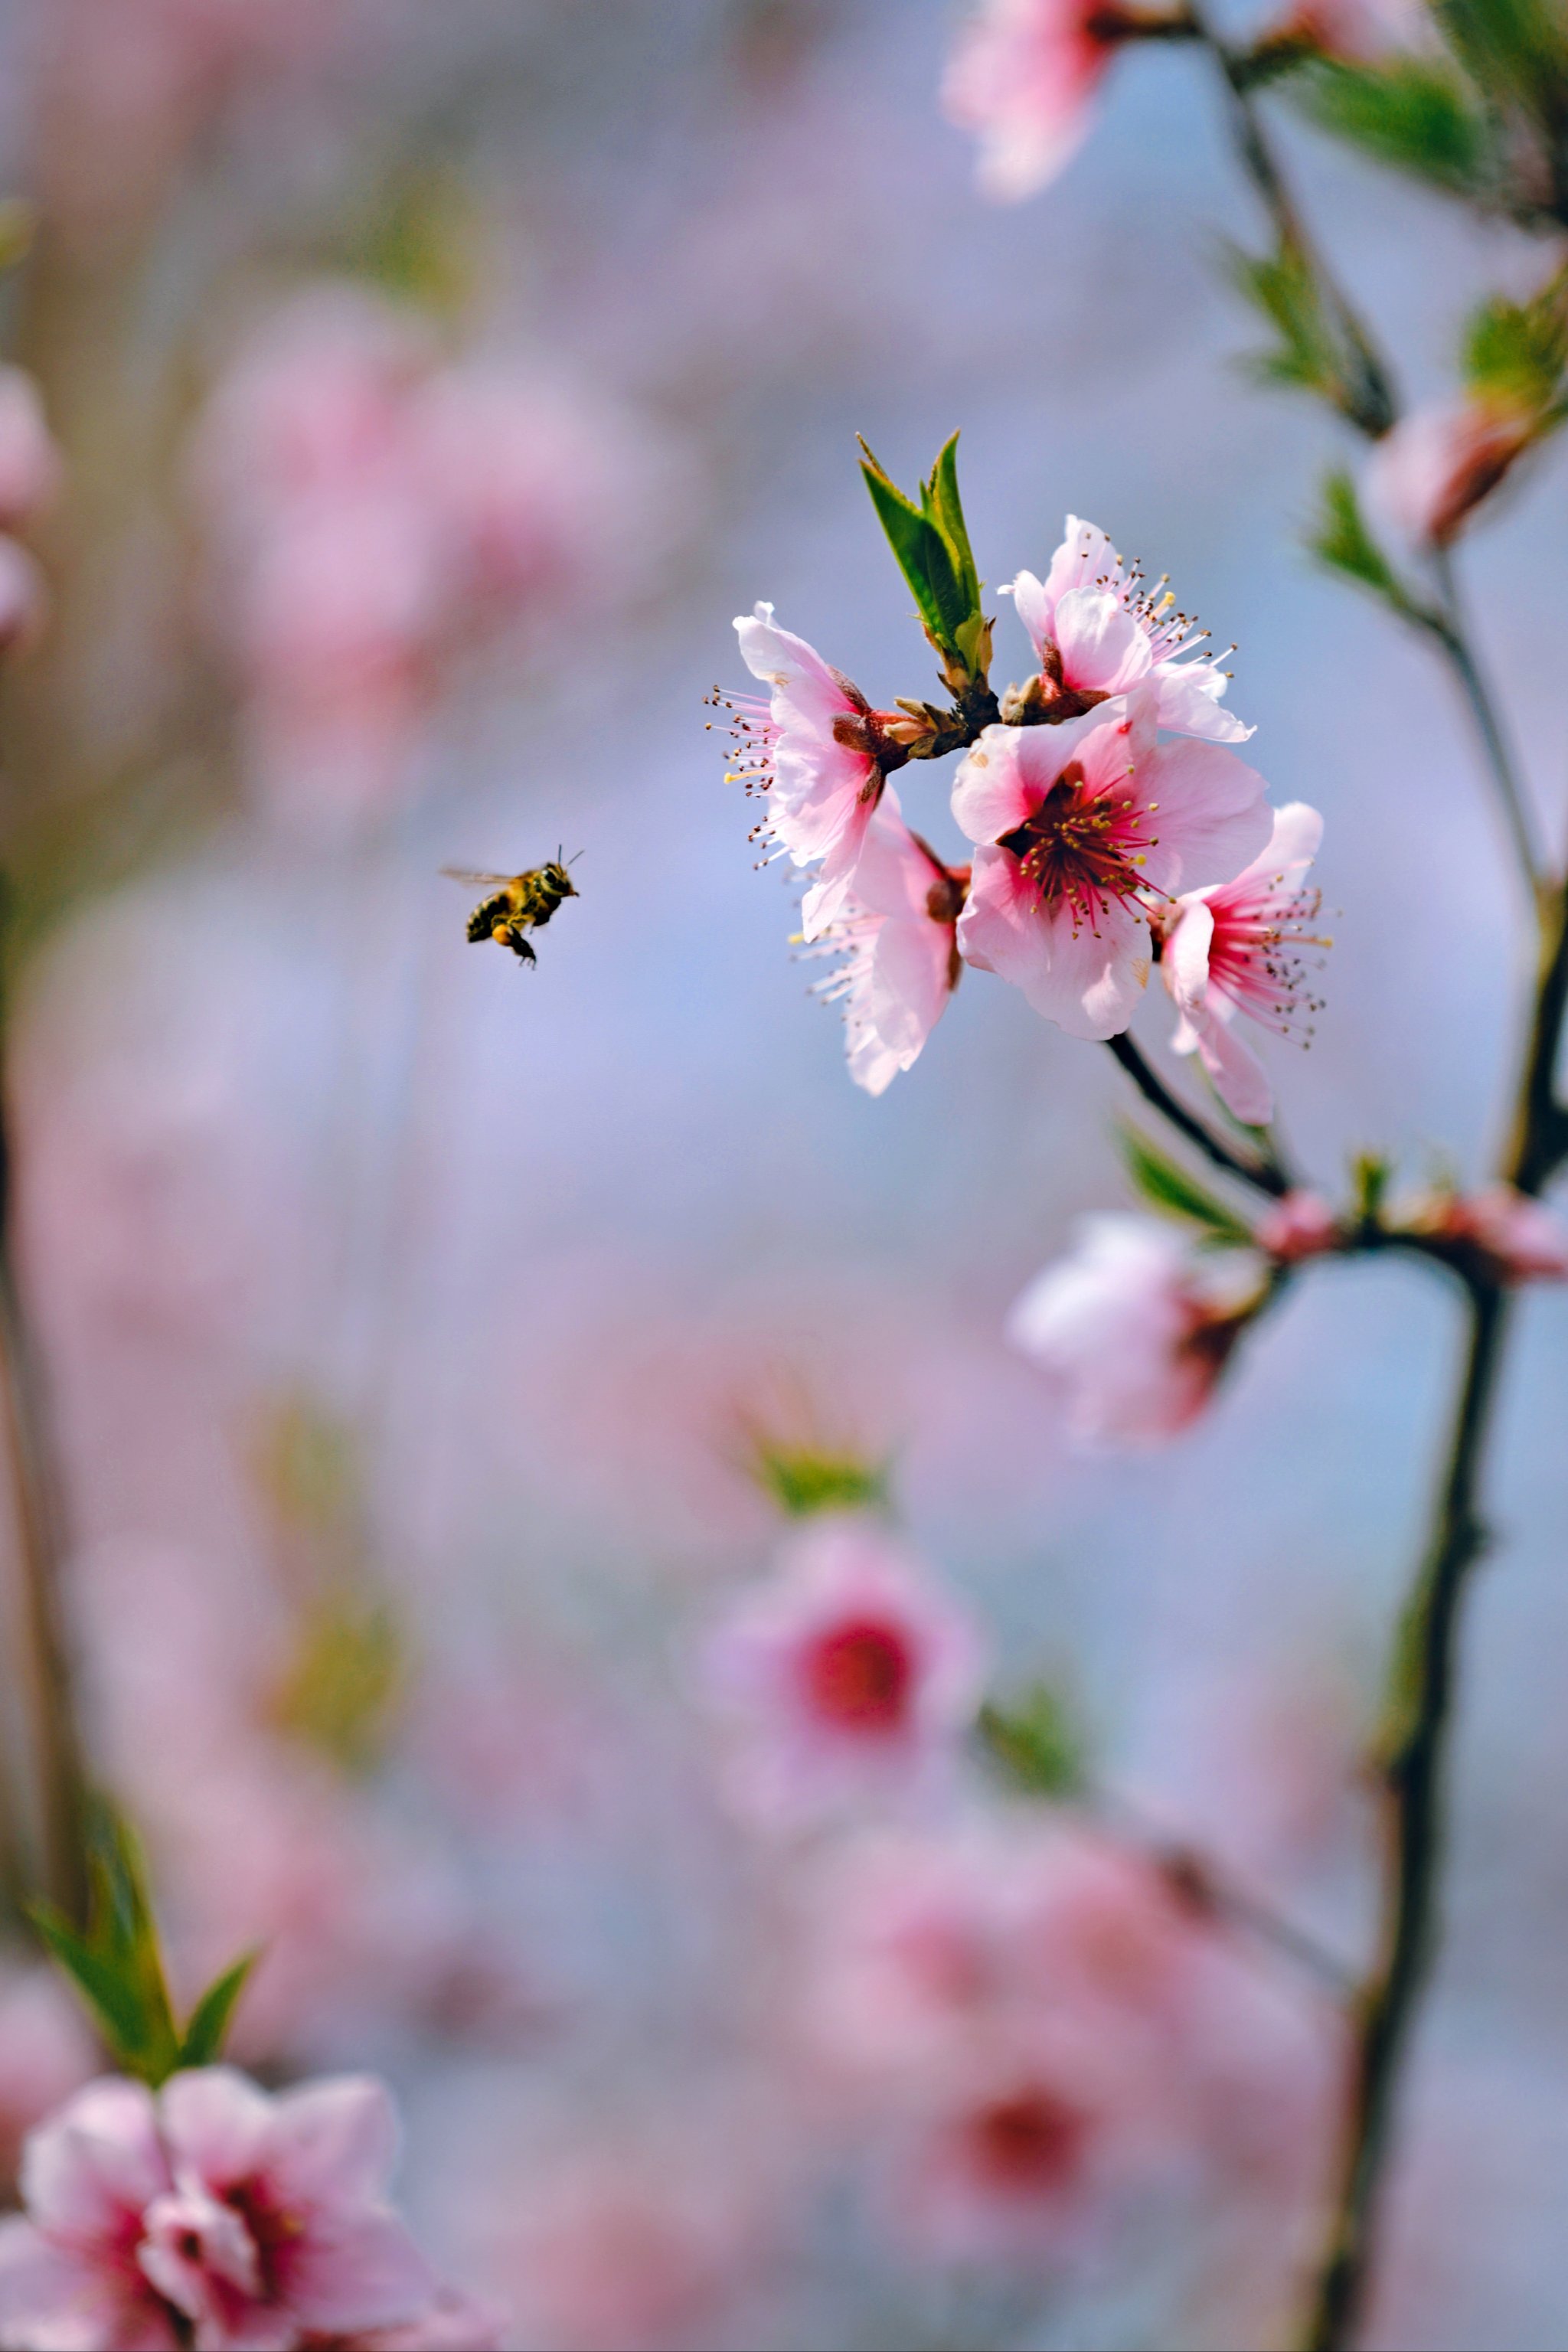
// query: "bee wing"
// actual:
[[473, 878]]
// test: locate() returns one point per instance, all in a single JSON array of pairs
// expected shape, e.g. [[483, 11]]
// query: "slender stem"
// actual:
[[1267, 1175], [1211, 1887], [1367, 397], [1410, 1795], [1448, 629], [59, 1773], [1423, 1683]]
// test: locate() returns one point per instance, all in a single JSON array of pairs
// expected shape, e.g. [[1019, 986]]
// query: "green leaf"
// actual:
[[1515, 353], [1415, 115], [1341, 539], [803, 1479], [940, 500], [1306, 353], [1036, 1744], [117, 1966], [1175, 1193], [1370, 1173], [931, 547], [1516, 51], [113, 2001], [208, 2023]]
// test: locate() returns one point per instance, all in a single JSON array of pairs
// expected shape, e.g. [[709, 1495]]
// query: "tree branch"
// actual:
[[1265, 1175]]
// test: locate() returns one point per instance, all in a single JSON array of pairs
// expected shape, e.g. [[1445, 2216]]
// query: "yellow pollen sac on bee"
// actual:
[[498, 933]]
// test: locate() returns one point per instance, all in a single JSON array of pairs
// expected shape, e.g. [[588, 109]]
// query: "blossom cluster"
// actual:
[[1045, 2022], [1112, 824]]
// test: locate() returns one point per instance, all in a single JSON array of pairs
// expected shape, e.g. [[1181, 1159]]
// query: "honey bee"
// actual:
[[516, 904]]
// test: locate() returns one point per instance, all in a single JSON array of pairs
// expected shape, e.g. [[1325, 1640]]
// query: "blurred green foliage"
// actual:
[[117, 1963]]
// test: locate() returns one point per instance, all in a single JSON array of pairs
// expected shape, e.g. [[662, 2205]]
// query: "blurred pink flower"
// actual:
[[1074, 822], [1133, 1330], [1097, 632], [1235, 948], [821, 754], [1427, 475], [215, 2213], [849, 1675], [895, 932], [1056, 2022], [376, 511], [1022, 78], [631, 2248], [46, 2052], [30, 467], [1524, 1240], [1300, 1225]]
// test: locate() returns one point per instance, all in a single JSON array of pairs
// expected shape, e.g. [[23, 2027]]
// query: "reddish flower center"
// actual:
[[1080, 847], [860, 1675], [1029, 2143]]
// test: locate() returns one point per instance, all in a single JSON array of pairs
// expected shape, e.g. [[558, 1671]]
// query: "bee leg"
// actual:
[[518, 943]]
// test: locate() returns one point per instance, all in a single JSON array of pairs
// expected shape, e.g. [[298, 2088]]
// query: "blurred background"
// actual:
[[432, 385]]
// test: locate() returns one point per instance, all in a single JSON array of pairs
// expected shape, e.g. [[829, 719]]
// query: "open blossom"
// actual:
[[819, 751], [1523, 1241], [1235, 947], [850, 1673], [1075, 824], [1023, 78], [895, 930], [213, 2213], [1133, 1330], [1097, 632], [1427, 475]]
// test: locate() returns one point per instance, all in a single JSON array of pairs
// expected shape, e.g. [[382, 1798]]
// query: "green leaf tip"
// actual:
[[1170, 1190], [930, 544], [1035, 1744], [117, 1963]]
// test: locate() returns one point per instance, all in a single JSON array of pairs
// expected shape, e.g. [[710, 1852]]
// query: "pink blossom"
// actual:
[[1133, 1330], [1022, 78], [1427, 475], [215, 2213], [850, 1673], [1097, 632], [1056, 2020], [895, 931], [1075, 823], [1236, 948], [1523, 1241], [1300, 1225], [1362, 32], [820, 754], [46, 2052], [31, 467]]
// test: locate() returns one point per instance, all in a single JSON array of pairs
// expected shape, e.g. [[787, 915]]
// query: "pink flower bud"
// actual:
[[1430, 473], [1300, 1225]]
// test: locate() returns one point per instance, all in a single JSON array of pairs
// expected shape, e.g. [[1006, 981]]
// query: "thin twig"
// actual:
[[1202, 1881], [1267, 1175], [1369, 401], [59, 1773], [1412, 1774], [1447, 628]]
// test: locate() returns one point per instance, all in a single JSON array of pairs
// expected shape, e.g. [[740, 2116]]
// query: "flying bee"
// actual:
[[515, 904]]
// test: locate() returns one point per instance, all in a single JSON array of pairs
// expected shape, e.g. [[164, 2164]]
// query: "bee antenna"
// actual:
[[577, 853]]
